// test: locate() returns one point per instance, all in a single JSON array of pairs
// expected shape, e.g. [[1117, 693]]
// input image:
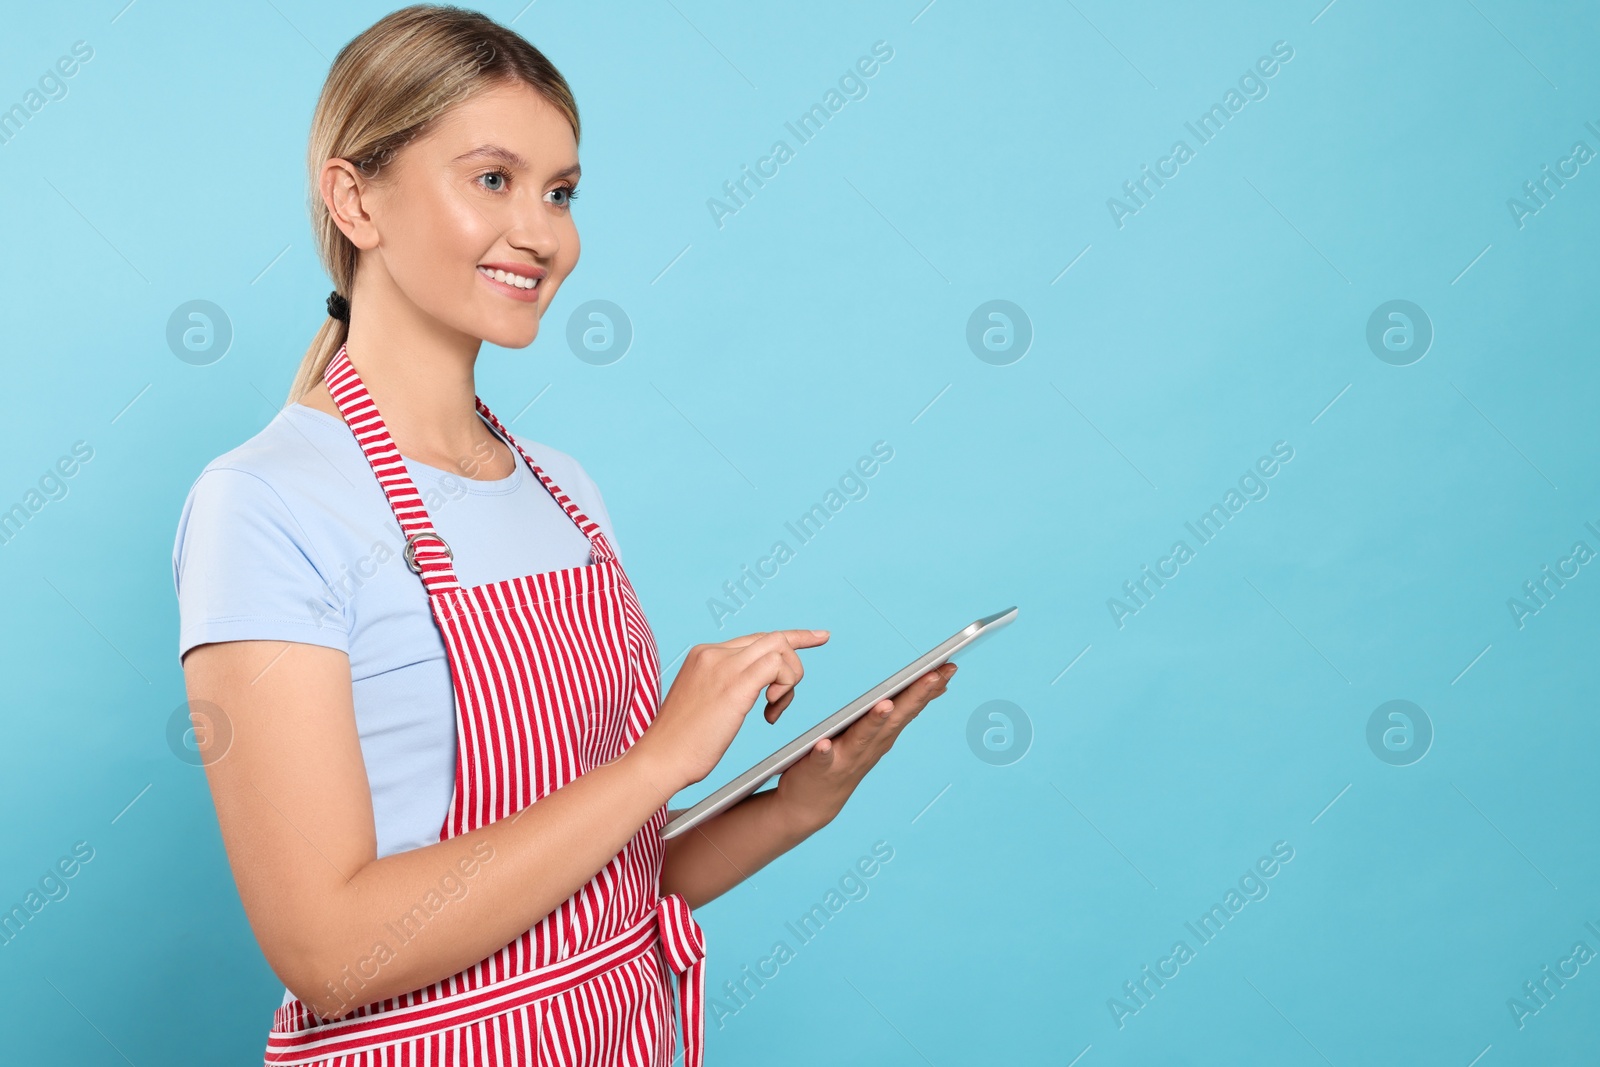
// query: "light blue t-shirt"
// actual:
[[289, 537]]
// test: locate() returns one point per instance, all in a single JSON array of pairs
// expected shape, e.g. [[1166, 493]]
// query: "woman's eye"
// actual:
[[569, 194], [500, 174]]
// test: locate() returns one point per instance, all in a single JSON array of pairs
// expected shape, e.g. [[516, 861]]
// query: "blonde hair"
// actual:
[[384, 90]]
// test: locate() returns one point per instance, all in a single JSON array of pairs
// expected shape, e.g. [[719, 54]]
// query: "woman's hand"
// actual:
[[813, 791], [715, 689]]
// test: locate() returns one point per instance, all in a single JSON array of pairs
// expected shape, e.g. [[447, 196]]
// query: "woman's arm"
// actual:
[[727, 848], [340, 927]]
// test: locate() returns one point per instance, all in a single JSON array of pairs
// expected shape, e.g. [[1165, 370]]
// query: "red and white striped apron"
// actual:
[[554, 674]]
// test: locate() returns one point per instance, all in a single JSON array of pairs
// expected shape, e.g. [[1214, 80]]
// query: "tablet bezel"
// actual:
[[757, 776]]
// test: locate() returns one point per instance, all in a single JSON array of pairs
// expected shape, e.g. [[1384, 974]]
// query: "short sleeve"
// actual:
[[244, 569]]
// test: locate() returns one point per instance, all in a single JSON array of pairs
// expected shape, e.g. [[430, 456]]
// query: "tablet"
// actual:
[[790, 754]]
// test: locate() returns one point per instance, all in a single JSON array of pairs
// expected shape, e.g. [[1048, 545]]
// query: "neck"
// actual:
[[420, 374]]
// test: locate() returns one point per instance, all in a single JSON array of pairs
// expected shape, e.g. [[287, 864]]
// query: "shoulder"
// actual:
[[293, 445], [276, 481], [255, 546], [252, 473]]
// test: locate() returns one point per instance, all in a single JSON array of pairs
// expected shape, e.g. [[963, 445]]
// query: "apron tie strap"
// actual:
[[683, 943]]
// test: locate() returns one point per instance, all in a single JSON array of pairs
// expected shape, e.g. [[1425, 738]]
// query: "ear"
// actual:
[[347, 196]]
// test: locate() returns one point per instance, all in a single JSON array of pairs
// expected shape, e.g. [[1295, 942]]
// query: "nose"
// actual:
[[534, 228]]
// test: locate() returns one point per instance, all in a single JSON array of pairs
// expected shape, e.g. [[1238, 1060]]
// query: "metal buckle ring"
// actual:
[[411, 547]]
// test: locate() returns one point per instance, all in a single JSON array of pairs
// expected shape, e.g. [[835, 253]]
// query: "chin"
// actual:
[[518, 337]]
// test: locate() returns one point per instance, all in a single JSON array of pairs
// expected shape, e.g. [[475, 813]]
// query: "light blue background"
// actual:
[[829, 313]]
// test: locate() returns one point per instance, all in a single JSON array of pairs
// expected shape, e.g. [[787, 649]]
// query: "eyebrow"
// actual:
[[510, 158]]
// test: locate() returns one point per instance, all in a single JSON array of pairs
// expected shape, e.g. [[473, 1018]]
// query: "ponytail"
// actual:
[[333, 334]]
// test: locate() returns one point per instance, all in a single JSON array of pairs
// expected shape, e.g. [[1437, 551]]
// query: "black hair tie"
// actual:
[[338, 307]]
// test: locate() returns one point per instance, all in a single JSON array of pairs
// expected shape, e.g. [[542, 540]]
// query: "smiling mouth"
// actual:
[[505, 277]]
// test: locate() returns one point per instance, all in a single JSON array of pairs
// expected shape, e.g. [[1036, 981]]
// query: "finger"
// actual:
[[805, 638], [916, 697], [771, 662], [775, 708], [753, 646], [775, 673], [909, 704], [743, 641], [866, 729], [792, 638], [795, 671]]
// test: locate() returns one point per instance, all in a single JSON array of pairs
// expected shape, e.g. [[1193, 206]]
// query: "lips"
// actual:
[[518, 281]]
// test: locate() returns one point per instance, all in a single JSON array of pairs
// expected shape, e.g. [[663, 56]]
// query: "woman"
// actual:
[[447, 758]]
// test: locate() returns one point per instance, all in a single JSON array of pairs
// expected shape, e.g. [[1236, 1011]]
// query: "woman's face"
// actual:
[[485, 190]]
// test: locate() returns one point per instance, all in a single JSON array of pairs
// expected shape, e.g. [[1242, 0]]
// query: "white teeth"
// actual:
[[510, 279]]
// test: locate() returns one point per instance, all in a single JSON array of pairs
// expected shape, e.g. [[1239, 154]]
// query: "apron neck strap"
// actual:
[[589, 528], [425, 550]]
